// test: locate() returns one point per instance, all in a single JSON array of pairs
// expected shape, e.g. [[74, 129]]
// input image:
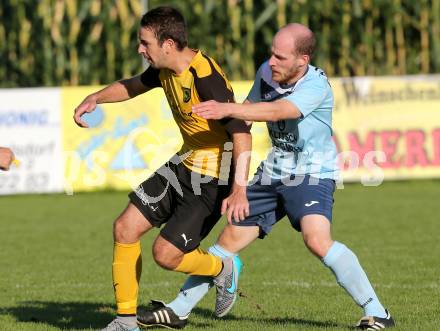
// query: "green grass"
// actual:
[[56, 254]]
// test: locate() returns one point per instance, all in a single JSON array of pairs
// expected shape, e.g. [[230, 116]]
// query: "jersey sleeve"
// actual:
[[309, 96], [214, 86], [255, 92], [150, 77]]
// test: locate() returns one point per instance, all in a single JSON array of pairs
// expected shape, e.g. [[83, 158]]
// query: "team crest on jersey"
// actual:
[[186, 94]]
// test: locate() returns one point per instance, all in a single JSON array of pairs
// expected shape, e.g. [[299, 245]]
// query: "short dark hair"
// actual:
[[305, 45], [166, 23]]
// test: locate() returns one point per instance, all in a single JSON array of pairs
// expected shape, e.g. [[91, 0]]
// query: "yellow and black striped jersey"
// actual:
[[203, 80]]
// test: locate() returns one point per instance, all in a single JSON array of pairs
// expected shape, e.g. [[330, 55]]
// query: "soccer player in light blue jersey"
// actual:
[[297, 178]]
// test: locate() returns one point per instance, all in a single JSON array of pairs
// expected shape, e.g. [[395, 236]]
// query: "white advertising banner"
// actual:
[[30, 124]]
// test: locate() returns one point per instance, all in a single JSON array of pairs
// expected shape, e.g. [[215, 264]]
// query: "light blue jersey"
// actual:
[[302, 146]]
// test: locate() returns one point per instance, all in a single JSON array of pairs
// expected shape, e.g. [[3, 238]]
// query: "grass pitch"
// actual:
[[56, 254]]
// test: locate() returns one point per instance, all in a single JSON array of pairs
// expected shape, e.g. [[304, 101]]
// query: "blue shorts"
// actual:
[[271, 201]]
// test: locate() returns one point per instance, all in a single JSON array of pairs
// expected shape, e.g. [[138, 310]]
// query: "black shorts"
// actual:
[[189, 208]]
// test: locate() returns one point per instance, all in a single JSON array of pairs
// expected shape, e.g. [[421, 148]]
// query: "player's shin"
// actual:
[[127, 268], [350, 275]]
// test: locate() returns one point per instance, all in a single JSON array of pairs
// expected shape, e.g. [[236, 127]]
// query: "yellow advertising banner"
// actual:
[[128, 141], [384, 128], [387, 127]]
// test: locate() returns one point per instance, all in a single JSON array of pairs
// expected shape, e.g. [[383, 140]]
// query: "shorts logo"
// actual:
[[311, 203], [186, 240], [144, 198]]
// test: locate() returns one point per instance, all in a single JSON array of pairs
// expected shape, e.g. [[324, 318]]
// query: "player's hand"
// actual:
[[236, 205], [6, 158], [87, 106], [212, 110]]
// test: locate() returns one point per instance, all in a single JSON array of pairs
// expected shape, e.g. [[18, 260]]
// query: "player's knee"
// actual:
[[317, 245], [228, 234], [130, 225], [123, 232], [235, 238], [118, 230], [165, 257]]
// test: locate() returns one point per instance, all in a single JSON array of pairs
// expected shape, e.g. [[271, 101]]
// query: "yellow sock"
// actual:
[[198, 262], [127, 268]]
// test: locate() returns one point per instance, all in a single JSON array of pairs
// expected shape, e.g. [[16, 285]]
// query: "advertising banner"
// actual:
[[385, 128], [127, 141], [30, 124], [388, 127]]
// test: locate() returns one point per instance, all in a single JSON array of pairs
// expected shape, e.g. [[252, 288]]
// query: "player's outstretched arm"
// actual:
[[6, 158], [236, 205], [258, 112], [118, 91]]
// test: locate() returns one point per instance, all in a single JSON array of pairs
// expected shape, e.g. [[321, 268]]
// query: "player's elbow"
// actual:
[[133, 87], [238, 127]]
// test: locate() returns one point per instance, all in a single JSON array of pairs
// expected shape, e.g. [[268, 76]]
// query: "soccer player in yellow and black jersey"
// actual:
[[201, 80], [188, 194]]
